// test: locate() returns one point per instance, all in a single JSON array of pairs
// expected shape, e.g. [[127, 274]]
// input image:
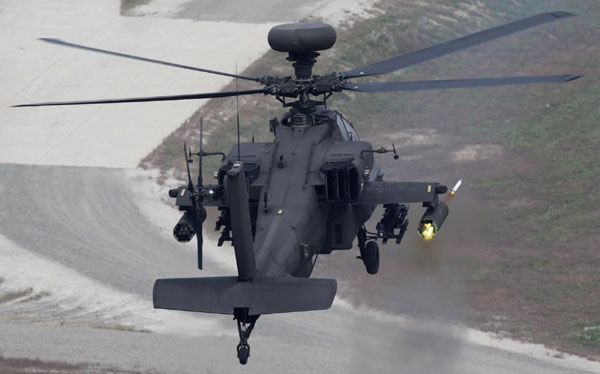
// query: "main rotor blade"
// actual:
[[86, 48], [209, 95], [455, 83], [403, 61]]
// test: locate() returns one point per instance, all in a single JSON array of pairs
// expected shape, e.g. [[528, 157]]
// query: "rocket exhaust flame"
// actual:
[[427, 232]]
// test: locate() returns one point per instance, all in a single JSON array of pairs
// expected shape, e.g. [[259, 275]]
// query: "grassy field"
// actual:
[[128, 5], [529, 154]]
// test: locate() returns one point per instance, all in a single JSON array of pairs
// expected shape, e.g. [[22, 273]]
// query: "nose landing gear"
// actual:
[[245, 324]]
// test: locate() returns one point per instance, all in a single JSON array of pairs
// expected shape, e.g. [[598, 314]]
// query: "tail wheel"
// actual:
[[371, 257], [243, 352]]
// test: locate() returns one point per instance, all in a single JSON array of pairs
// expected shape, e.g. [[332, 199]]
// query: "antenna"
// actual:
[[237, 109], [201, 153], [187, 165]]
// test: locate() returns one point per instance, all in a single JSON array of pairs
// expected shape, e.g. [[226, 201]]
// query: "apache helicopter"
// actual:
[[308, 192]]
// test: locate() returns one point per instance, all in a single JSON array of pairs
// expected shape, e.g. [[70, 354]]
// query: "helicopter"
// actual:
[[312, 189]]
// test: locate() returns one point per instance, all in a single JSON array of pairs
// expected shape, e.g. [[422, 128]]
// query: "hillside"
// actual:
[[520, 248]]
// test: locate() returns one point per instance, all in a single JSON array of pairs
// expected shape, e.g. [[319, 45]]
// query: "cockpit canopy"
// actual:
[[346, 129]]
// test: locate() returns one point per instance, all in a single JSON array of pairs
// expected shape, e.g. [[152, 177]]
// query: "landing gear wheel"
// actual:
[[371, 257], [243, 352], [245, 324]]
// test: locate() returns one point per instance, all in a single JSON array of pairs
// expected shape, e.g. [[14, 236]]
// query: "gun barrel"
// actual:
[[184, 229]]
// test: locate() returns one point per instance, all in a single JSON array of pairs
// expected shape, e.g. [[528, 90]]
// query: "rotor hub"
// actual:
[[303, 63]]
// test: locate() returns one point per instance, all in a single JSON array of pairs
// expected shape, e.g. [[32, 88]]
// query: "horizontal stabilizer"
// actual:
[[262, 296]]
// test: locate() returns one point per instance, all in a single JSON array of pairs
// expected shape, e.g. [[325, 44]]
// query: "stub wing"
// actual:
[[374, 193], [184, 199]]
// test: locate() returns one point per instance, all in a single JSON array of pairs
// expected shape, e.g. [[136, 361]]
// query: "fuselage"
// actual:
[[301, 188]]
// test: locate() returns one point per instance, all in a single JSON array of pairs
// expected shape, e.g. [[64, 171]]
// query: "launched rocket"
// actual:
[[456, 187]]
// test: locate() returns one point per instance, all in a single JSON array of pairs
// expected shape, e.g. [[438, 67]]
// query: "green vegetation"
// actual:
[[539, 195], [128, 5], [590, 337]]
